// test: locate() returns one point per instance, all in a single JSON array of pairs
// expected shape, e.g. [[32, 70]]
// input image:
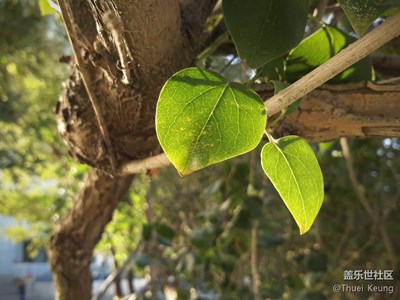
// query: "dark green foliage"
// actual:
[[257, 29]]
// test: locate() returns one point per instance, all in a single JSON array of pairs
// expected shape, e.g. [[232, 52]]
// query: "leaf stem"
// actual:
[[253, 79], [270, 138], [281, 116], [223, 38], [227, 64]]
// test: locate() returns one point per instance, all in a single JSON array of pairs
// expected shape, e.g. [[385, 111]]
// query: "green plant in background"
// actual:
[[37, 179]]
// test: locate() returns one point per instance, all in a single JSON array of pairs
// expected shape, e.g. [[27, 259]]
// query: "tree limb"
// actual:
[[358, 110]]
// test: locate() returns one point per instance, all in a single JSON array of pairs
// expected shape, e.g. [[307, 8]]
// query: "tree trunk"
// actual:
[[72, 243], [124, 52]]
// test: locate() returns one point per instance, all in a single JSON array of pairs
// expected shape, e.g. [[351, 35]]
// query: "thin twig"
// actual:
[[389, 30], [357, 253], [223, 38], [318, 14], [345, 236], [86, 78], [358, 189], [374, 216], [114, 275], [140, 166], [253, 263], [227, 64]]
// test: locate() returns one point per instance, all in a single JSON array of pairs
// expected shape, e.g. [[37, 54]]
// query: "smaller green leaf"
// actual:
[[293, 169], [202, 119], [362, 13], [320, 47]]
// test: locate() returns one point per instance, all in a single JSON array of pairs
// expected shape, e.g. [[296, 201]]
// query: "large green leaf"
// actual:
[[202, 119], [362, 13], [265, 29], [317, 49], [294, 171]]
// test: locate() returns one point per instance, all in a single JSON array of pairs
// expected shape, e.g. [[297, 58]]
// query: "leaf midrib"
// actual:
[[189, 102], [297, 185], [205, 125], [264, 24]]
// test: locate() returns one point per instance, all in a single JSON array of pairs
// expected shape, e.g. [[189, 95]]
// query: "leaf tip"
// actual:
[[303, 230]]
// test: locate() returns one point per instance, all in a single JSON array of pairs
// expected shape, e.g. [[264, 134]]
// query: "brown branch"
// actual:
[[356, 110], [344, 59]]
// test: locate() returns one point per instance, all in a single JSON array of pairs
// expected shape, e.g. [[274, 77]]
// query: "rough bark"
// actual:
[[156, 39], [71, 245], [354, 110]]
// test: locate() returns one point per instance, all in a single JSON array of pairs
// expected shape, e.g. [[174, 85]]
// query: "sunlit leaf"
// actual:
[[265, 29], [202, 119], [293, 169], [320, 47], [362, 13]]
